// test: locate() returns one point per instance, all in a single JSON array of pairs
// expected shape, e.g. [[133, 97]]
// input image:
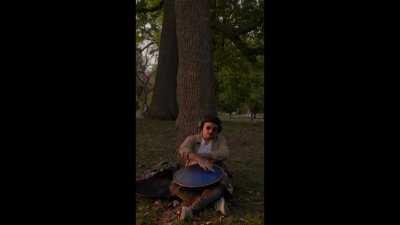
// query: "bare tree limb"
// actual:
[[145, 47]]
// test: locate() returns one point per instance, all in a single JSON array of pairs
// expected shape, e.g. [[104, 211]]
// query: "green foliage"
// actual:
[[255, 100], [240, 78], [238, 81], [148, 33], [148, 25]]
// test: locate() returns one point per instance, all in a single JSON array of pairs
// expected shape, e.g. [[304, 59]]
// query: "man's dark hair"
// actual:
[[212, 119]]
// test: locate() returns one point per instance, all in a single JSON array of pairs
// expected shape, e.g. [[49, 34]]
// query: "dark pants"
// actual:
[[198, 198]]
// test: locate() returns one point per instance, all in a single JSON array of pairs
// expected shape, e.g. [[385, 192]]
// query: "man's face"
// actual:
[[209, 130]]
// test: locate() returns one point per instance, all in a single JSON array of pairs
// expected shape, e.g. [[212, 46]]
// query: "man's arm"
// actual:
[[189, 157], [204, 162], [185, 148]]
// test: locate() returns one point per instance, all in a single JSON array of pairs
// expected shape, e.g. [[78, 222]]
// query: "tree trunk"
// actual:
[[164, 105], [195, 79]]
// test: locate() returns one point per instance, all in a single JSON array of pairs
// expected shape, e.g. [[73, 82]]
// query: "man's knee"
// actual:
[[174, 188]]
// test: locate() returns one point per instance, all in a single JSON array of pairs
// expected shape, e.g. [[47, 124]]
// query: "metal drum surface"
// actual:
[[196, 177]]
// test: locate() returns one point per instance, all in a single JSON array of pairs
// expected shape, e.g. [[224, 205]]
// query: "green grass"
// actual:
[[155, 141]]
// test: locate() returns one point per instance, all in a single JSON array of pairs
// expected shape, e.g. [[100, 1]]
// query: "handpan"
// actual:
[[196, 177]]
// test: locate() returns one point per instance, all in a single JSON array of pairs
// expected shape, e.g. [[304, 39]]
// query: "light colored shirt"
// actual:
[[205, 148]]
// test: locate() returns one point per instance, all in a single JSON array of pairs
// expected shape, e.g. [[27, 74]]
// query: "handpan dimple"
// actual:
[[196, 177]]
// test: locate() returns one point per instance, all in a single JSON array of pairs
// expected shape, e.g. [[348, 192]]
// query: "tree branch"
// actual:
[[228, 29], [246, 28], [141, 7], [145, 47], [234, 35]]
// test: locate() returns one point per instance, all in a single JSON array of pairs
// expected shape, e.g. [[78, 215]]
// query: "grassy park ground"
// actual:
[[155, 141]]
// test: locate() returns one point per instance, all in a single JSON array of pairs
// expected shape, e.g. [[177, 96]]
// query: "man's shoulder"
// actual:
[[194, 137]]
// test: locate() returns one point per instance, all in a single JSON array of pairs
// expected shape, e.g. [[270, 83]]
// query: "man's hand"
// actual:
[[192, 158], [185, 156], [206, 164]]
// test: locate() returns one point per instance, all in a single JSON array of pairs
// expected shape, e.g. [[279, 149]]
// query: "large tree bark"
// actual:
[[195, 78], [164, 105]]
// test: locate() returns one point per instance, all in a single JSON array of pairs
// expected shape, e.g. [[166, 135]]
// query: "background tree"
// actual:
[[237, 37], [164, 103], [144, 74], [255, 99], [195, 77], [240, 85], [238, 51], [241, 24], [148, 25], [231, 91]]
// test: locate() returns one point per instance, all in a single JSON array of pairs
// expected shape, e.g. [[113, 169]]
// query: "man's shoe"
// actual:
[[221, 207], [186, 213]]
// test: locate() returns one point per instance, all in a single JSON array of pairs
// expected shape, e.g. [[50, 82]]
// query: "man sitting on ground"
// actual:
[[205, 149]]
